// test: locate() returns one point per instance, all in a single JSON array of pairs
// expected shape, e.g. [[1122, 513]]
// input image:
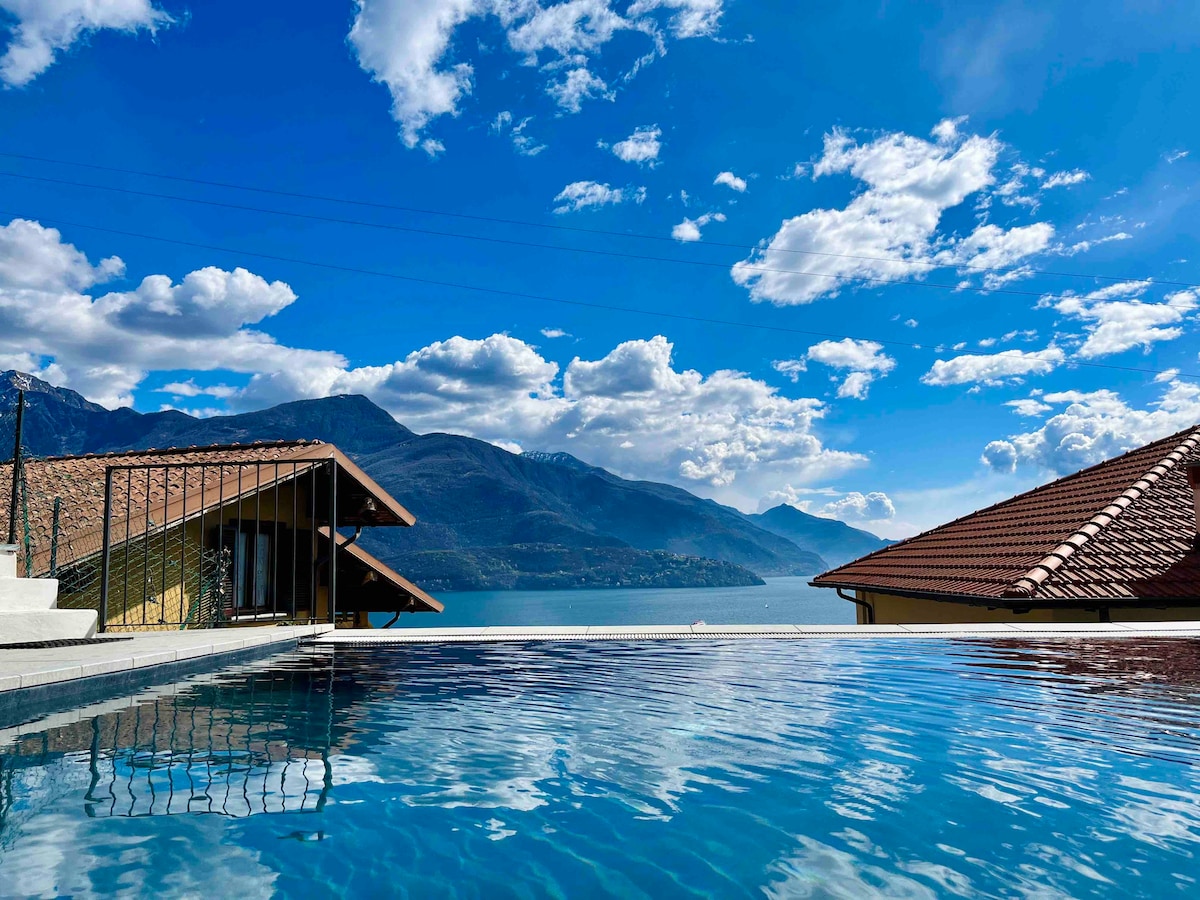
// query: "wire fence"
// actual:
[[179, 545]]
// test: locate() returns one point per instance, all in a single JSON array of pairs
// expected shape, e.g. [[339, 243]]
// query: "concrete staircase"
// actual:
[[29, 607]]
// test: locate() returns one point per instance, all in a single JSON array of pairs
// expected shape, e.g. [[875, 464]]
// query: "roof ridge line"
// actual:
[[1029, 583], [167, 451], [991, 506]]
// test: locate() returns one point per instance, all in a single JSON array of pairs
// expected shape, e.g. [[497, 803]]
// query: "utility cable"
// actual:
[[1017, 292], [523, 295], [555, 227]]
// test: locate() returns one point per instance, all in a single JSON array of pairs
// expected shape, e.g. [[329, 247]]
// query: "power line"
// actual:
[[523, 295], [512, 242], [567, 228]]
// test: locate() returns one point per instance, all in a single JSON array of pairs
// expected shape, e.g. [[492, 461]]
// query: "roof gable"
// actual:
[[1119, 531]]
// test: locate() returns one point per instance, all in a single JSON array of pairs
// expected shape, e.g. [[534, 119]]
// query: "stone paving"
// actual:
[[37, 667]]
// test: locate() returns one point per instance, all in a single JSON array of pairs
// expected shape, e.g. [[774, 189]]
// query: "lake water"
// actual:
[[701, 769], [781, 601]]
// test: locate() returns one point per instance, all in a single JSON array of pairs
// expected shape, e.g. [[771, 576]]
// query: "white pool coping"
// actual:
[[54, 665], [492, 634], [35, 668]]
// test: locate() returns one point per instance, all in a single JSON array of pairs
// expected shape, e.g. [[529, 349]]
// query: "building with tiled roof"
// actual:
[[1114, 541], [193, 537]]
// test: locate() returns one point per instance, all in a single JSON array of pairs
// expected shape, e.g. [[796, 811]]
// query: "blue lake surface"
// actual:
[[786, 601], [818, 768]]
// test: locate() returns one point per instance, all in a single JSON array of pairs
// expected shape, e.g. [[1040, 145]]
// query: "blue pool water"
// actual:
[[816, 768]]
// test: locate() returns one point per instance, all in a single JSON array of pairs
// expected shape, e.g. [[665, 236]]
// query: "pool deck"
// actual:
[[493, 634], [55, 665]]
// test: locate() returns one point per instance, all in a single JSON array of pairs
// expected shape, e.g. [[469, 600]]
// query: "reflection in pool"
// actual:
[[802, 768]]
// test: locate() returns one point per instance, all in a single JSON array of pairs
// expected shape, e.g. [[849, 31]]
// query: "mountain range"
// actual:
[[487, 518]]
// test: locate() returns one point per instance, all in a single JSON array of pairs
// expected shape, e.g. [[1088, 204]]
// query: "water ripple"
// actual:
[[739, 768]]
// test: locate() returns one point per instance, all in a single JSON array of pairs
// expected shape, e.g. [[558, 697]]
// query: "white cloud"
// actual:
[[1116, 319], [732, 181], [400, 44], [408, 46], [692, 18], [1094, 426], [723, 433], [104, 346], [43, 28], [1085, 246], [1065, 179], [865, 360], [1176, 155], [583, 194], [575, 87], [522, 142], [689, 229], [553, 333], [890, 230], [1030, 407], [640, 147], [852, 507], [790, 367], [856, 507], [189, 388], [993, 368]]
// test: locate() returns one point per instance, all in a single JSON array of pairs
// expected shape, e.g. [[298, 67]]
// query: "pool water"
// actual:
[[817, 768]]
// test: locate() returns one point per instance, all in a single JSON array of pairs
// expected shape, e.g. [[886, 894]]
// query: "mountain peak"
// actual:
[[561, 458], [12, 381]]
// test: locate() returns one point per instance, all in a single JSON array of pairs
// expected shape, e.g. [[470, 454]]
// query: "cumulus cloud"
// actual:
[[1030, 407], [553, 333], [1117, 318], [641, 147], [992, 369], [408, 46], [584, 194], [853, 507], [1093, 426], [52, 324], [632, 410], [890, 229], [44, 28], [400, 44], [856, 507], [731, 181], [575, 87], [689, 229], [864, 360]]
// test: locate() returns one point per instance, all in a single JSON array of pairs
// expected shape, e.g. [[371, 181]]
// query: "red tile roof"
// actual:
[[1121, 532], [224, 471]]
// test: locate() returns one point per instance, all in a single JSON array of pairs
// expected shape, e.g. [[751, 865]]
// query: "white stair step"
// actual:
[[46, 625], [8, 560], [28, 593]]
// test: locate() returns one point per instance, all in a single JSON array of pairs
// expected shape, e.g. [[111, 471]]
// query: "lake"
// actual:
[[781, 601]]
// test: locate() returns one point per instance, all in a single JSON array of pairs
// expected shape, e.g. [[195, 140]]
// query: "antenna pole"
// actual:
[[16, 472]]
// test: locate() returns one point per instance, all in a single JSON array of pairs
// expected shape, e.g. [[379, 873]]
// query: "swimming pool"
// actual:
[[743, 768]]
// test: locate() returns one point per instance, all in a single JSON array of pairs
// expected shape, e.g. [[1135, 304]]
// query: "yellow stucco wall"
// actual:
[[157, 563], [893, 610]]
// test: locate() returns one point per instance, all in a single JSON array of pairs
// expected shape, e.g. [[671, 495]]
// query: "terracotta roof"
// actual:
[[1121, 532], [78, 483]]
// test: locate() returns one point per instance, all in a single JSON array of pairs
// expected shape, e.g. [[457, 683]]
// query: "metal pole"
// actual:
[[107, 551], [54, 538], [16, 472], [333, 540]]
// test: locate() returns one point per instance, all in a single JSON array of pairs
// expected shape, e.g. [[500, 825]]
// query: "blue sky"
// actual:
[[744, 162]]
